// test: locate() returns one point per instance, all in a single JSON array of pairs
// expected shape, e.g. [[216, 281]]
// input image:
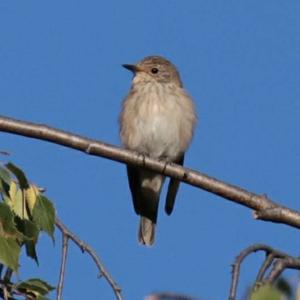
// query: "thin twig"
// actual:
[[264, 267], [11, 288], [283, 261], [86, 248], [5, 293], [280, 265], [264, 208], [65, 240], [237, 265], [6, 282]]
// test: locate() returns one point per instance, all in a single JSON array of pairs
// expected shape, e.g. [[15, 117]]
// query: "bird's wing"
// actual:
[[172, 190], [134, 185]]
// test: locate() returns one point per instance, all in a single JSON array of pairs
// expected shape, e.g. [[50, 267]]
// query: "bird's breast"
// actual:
[[152, 121], [157, 131]]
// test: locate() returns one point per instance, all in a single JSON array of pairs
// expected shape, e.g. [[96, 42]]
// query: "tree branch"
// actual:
[[65, 243], [265, 266], [67, 234], [277, 260], [264, 208], [280, 265]]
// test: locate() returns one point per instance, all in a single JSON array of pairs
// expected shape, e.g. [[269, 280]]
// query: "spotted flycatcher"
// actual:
[[157, 120]]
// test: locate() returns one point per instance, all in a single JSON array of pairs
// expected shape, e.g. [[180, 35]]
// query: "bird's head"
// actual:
[[154, 69]]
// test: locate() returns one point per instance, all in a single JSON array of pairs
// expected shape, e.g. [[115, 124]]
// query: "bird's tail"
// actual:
[[146, 231]]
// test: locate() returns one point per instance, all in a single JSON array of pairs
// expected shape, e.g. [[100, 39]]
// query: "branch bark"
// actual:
[[64, 255], [265, 209]]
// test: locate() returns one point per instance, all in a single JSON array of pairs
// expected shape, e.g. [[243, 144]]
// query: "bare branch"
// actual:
[[5, 293], [86, 248], [265, 266], [280, 265], [6, 284], [264, 208], [279, 259], [65, 240]]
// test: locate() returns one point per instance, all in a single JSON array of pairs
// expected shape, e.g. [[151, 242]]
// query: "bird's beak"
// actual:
[[132, 68]]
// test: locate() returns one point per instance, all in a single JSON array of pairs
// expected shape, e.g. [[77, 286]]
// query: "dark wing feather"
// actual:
[[134, 185], [172, 190]]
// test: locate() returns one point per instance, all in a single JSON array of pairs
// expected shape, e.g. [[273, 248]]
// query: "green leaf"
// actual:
[[266, 292], [20, 175], [4, 188], [284, 286], [7, 224], [17, 202], [30, 196], [43, 215], [4, 175], [39, 297], [30, 236], [35, 286], [31, 251], [9, 252], [5, 180], [28, 228], [9, 248]]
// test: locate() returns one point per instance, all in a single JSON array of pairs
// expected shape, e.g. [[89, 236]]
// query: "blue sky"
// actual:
[[61, 65]]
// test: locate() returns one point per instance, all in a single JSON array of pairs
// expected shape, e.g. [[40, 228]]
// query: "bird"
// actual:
[[157, 119]]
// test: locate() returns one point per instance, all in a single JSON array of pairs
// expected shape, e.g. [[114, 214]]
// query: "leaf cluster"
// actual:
[[25, 212]]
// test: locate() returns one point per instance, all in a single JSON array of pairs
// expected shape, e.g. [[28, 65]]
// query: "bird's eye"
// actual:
[[154, 70]]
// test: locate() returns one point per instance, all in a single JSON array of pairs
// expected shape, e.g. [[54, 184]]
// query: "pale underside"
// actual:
[[157, 120]]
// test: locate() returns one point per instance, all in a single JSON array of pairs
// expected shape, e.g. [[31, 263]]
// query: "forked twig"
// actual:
[[67, 234], [277, 261]]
